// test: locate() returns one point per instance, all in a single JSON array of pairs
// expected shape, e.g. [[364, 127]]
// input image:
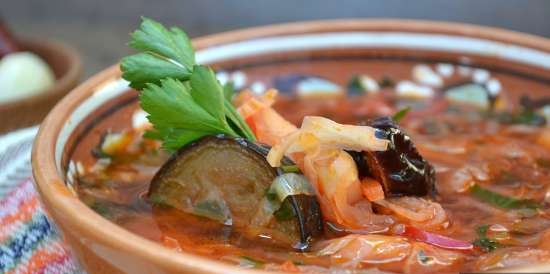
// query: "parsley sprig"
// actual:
[[184, 100]]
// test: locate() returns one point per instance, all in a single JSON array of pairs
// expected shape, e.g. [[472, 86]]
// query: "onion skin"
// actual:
[[436, 239]]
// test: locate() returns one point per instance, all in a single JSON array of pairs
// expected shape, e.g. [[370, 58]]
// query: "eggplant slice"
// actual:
[[226, 179], [400, 169]]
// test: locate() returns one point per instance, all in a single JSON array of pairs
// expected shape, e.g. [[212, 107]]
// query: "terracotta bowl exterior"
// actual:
[[103, 247], [67, 68]]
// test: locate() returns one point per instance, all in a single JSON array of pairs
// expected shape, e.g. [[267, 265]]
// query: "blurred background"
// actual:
[[99, 29]]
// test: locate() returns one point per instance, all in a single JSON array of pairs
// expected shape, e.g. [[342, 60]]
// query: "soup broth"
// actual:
[[490, 155]]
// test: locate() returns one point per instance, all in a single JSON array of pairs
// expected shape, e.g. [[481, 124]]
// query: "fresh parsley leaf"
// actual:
[[177, 118], [207, 92], [228, 90], [237, 121], [171, 105], [153, 134], [172, 44], [398, 116], [173, 139], [143, 68], [165, 53]]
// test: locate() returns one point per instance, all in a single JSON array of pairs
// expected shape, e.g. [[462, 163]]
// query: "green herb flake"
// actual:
[[481, 230], [482, 241], [486, 244], [423, 259], [502, 201], [291, 169], [529, 117], [285, 212], [398, 116], [281, 192], [524, 117], [355, 87]]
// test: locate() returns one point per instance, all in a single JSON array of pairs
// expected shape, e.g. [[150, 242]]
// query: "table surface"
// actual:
[[99, 29]]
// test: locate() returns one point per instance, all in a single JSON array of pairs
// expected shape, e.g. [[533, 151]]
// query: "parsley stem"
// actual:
[[232, 114]]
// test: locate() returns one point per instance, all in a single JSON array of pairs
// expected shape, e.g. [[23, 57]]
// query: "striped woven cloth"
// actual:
[[29, 241]]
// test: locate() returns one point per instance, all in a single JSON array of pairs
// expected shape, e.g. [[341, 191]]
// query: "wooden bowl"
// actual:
[[331, 49], [67, 68]]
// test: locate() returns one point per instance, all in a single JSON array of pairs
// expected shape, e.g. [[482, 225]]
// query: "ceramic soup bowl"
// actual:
[[295, 58]]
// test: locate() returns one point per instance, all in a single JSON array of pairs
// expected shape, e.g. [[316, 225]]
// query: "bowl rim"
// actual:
[[58, 198], [379, 24]]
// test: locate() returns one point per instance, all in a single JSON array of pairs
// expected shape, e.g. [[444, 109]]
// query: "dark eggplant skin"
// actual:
[[213, 166], [310, 221], [165, 187], [401, 169]]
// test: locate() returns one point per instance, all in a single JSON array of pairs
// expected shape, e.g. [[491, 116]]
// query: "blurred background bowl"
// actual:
[[66, 65]]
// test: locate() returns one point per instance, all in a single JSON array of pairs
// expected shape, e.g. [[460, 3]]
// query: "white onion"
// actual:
[[23, 74]]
